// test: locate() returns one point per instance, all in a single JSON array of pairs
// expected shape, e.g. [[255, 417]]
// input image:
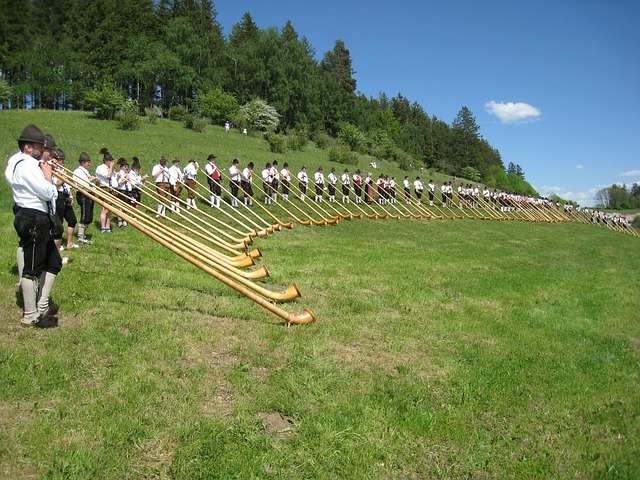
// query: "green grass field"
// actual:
[[443, 348]]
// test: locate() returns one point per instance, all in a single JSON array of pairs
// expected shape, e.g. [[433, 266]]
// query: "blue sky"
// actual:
[[554, 85]]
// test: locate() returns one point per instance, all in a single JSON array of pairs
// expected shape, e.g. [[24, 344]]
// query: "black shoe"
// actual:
[[46, 321], [53, 310]]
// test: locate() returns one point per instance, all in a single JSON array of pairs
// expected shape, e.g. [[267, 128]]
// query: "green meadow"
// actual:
[[442, 349]]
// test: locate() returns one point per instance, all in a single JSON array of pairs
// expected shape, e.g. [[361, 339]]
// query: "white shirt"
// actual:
[[234, 173], [160, 173], [123, 181], [266, 175], [247, 174], [345, 179], [175, 174], [191, 170], [302, 176], [285, 174], [319, 177], [333, 179], [210, 168], [81, 176], [407, 184], [30, 188], [102, 174], [418, 185], [135, 179]]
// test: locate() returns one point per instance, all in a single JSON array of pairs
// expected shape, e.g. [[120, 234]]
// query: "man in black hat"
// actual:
[[82, 177], [106, 176], [234, 181], [64, 205], [35, 195]]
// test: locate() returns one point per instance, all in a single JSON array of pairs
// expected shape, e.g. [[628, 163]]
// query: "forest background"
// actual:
[[171, 58]]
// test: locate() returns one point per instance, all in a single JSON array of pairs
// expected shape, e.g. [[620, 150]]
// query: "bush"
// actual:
[[277, 143], [196, 123], [178, 113], [296, 141], [343, 154], [152, 114], [323, 140], [127, 117], [106, 102]]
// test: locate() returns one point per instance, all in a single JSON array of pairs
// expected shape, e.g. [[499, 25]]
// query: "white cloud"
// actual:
[[630, 173], [579, 166], [513, 112], [585, 198]]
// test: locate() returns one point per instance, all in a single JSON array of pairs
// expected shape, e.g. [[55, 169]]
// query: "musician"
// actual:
[[246, 184], [213, 179], [190, 173], [136, 180], [346, 185], [275, 183], [106, 177], [303, 182], [407, 189], [381, 191], [123, 186], [357, 186], [234, 181], [431, 188], [318, 179], [267, 183], [369, 192], [176, 182], [332, 180], [392, 189], [82, 177], [29, 174], [160, 174], [64, 204], [443, 190], [285, 175], [419, 187]]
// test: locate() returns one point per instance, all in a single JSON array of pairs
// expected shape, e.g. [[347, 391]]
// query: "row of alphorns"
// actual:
[[217, 240]]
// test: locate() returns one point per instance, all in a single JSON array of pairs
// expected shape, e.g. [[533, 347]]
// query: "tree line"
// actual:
[[110, 55], [619, 197]]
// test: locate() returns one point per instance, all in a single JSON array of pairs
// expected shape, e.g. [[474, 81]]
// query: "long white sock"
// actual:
[[20, 261], [46, 286], [29, 288]]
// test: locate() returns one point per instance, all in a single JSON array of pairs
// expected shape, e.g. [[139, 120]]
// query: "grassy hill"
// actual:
[[443, 349]]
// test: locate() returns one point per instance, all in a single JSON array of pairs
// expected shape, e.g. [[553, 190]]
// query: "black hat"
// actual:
[[236, 161], [135, 165], [122, 161], [250, 165], [163, 159], [31, 134], [211, 157], [84, 158], [105, 152], [176, 160], [192, 159], [49, 142], [59, 155]]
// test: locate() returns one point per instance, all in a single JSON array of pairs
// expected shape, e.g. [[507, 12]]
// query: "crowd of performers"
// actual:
[[243, 184]]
